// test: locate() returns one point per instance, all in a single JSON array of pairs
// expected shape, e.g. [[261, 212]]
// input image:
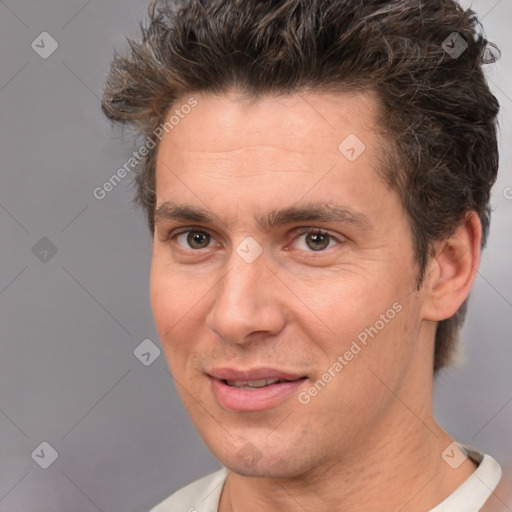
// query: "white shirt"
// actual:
[[204, 495]]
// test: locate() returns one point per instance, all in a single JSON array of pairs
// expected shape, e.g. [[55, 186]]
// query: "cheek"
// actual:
[[172, 300], [163, 300], [370, 370], [179, 302], [346, 306], [372, 325]]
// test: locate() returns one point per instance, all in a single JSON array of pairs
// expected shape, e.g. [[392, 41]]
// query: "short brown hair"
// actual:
[[438, 114]]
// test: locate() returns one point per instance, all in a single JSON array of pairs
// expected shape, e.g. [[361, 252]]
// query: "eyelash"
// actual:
[[298, 233]]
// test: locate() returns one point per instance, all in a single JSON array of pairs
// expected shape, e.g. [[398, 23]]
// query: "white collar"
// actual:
[[472, 494]]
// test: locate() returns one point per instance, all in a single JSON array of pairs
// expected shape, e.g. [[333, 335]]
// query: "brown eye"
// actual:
[[317, 241], [193, 240], [313, 240]]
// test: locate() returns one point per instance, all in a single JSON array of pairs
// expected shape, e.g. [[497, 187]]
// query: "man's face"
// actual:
[[267, 288]]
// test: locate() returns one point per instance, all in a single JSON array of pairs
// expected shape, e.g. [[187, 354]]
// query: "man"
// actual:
[[316, 177]]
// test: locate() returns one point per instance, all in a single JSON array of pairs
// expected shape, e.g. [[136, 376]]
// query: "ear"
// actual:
[[452, 270]]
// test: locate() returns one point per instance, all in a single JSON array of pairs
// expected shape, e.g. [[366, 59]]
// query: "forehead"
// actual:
[[297, 123], [269, 152]]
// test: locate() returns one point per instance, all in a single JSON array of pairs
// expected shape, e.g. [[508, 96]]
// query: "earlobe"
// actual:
[[452, 270]]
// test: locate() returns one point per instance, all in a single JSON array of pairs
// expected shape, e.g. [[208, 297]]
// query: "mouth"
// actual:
[[254, 384], [253, 390]]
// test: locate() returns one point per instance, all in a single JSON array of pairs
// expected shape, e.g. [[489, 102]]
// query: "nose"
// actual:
[[247, 303]]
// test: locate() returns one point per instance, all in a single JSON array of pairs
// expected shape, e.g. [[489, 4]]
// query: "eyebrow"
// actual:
[[309, 212]]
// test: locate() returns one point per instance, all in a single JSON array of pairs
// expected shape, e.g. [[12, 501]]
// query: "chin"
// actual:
[[263, 468], [262, 459]]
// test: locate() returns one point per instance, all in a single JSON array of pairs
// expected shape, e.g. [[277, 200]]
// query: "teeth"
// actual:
[[250, 384]]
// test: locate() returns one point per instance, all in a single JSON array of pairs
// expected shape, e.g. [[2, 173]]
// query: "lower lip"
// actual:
[[257, 399]]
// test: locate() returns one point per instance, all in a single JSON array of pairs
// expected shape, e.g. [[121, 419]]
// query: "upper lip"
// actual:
[[252, 374]]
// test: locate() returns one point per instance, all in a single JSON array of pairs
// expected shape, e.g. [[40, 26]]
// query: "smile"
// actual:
[[253, 390], [252, 384]]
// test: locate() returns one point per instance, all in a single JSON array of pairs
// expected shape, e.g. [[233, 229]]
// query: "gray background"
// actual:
[[70, 325]]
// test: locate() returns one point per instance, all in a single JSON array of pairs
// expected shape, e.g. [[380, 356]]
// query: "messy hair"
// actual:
[[422, 58]]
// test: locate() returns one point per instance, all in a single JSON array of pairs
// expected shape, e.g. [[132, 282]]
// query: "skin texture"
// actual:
[[368, 438]]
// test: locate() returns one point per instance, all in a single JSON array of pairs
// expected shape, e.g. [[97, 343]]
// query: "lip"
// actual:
[[258, 399], [252, 374]]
